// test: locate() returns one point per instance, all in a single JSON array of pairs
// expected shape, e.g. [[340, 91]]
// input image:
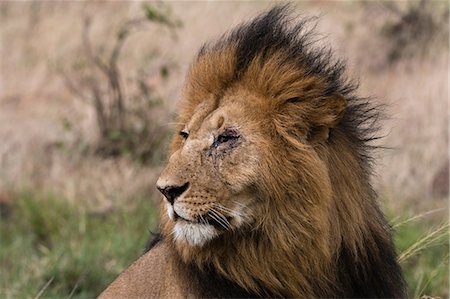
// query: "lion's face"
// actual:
[[209, 181]]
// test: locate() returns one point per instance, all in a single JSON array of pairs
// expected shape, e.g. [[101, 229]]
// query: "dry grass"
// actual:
[[39, 118]]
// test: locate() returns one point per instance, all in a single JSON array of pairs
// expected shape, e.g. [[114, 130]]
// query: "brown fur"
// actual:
[[298, 174], [141, 280]]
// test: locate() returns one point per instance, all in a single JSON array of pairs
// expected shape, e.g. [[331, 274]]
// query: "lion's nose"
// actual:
[[172, 192]]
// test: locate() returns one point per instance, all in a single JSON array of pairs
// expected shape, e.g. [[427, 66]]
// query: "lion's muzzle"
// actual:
[[172, 192]]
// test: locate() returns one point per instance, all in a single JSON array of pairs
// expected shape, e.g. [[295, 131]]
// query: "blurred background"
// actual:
[[88, 98]]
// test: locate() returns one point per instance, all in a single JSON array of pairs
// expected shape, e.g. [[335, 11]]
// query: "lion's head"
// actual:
[[268, 177]]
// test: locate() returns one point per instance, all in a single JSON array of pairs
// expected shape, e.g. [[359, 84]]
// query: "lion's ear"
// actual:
[[326, 115], [312, 119], [329, 111]]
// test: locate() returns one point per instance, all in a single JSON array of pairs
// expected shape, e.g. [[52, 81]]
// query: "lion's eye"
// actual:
[[228, 135], [225, 138], [184, 134]]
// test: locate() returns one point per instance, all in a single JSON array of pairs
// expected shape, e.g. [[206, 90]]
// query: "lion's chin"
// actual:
[[194, 234]]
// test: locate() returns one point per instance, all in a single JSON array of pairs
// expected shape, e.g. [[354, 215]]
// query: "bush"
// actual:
[[125, 117]]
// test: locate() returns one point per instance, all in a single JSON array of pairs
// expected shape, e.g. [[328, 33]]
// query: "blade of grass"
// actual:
[[73, 290], [42, 290], [415, 217], [419, 282], [424, 242], [433, 274]]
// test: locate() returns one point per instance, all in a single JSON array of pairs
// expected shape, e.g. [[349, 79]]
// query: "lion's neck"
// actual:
[[366, 260], [269, 269]]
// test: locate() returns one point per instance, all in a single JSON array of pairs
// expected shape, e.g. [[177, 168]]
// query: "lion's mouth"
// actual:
[[219, 221]]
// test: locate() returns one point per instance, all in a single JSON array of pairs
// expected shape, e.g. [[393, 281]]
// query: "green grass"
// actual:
[[423, 247], [60, 250], [54, 249]]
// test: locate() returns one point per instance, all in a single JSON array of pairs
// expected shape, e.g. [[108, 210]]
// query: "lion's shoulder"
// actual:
[[159, 273], [155, 274]]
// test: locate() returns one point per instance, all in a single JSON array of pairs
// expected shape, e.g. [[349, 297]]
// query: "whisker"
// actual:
[[221, 216], [202, 220], [232, 212], [221, 207], [218, 205], [213, 216], [229, 211]]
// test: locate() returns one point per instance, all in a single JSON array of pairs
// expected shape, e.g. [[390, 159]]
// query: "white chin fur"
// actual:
[[194, 234], [170, 212]]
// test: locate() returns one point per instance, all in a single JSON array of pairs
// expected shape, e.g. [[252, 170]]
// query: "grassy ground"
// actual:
[[423, 248], [56, 248], [52, 249]]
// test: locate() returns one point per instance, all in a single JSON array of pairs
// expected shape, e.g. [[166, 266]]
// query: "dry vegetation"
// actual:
[[48, 135]]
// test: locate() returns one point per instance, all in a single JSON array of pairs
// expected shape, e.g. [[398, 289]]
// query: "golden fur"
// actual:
[[285, 198], [141, 280]]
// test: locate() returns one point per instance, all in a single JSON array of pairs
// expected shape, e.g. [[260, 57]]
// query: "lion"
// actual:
[[267, 188]]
